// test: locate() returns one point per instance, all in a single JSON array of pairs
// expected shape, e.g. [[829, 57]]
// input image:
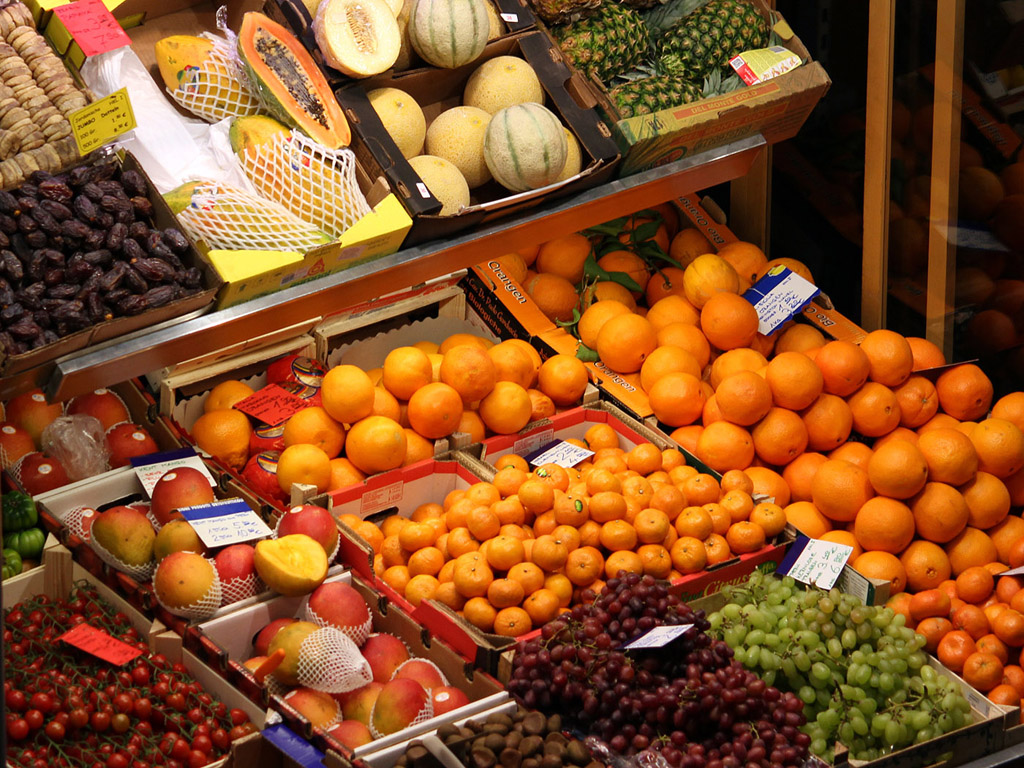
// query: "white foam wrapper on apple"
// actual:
[[241, 588], [203, 608], [75, 521], [141, 573], [217, 88], [420, 660], [313, 182], [330, 556], [358, 634], [426, 712], [330, 662]]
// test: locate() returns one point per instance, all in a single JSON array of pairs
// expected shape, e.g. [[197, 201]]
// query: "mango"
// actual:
[[182, 579], [289, 638], [177, 536], [177, 54], [293, 565], [126, 534]]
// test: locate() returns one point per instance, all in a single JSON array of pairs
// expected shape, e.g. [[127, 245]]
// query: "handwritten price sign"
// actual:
[[779, 296], [272, 405], [818, 563], [102, 121], [92, 26], [101, 645], [658, 637], [563, 454], [225, 522]]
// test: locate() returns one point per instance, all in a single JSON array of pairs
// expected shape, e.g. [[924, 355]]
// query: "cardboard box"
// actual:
[[776, 109], [436, 90], [121, 326], [503, 303], [227, 641]]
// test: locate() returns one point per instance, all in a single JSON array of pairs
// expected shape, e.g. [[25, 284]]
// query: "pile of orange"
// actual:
[[381, 419], [511, 554]]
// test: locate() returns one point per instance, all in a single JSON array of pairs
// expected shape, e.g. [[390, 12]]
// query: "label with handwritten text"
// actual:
[[658, 637], [92, 26], [230, 521], [818, 563], [561, 453], [102, 121], [151, 468], [272, 405], [778, 297], [95, 641]]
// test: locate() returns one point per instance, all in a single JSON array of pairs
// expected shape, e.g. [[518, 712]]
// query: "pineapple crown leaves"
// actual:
[[664, 17]]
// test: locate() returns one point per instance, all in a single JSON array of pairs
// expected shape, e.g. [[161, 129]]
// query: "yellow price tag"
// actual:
[[102, 121]]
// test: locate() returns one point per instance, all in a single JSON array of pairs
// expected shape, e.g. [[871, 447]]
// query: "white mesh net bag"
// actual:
[[330, 662], [79, 520], [426, 712], [141, 573], [358, 634], [229, 218], [315, 183], [330, 555], [233, 590], [203, 608], [217, 88], [415, 662]]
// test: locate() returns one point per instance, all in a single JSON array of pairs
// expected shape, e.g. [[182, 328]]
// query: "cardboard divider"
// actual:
[[227, 641]]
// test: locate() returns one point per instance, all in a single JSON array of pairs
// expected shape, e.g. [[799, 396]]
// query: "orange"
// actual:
[[897, 469], [729, 321], [688, 245], [885, 566], [224, 434], [549, 553], [988, 500], [629, 264], [971, 619], [415, 536], [744, 537], [644, 459], [671, 310], [305, 464], [964, 392], [779, 437], [884, 524], [926, 564], [618, 535], [554, 295], [529, 575], [743, 398], [794, 379], [853, 452], [799, 474], [687, 437], [1005, 693], [480, 613], [385, 404], [844, 367], [1008, 626], [900, 433], [655, 560], [666, 281], [701, 489], [687, 337], [435, 409], [747, 259], [689, 555], [724, 446], [447, 594], [541, 406], [876, 411], [933, 629], [472, 576], [807, 519], [971, 547], [483, 523], [769, 483], [677, 399], [427, 560], [397, 577], [469, 370], [771, 518], [955, 648], [1008, 586], [584, 565], [925, 353], [800, 338], [983, 671], [528, 350], [974, 584], [918, 401], [371, 533], [347, 393], [504, 551], [563, 378], [623, 560], [829, 422], [1015, 486], [739, 505], [695, 522], [939, 420], [710, 414], [512, 622], [1000, 447], [1011, 408], [542, 605], [667, 359], [652, 526], [564, 256], [417, 447], [607, 290], [625, 341], [375, 444], [504, 593], [460, 541], [554, 475], [840, 489], [940, 512], [594, 318], [716, 549], [707, 275], [929, 603], [513, 265], [405, 370], [734, 361], [512, 460], [950, 455], [226, 394], [1005, 534], [736, 480], [889, 357], [794, 265], [508, 478], [506, 409]]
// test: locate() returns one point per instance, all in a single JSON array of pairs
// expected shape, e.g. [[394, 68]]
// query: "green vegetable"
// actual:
[[28, 543], [19, 511], [12, 563]]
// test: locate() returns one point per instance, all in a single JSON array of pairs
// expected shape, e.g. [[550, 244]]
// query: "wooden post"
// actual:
[[750, 201]]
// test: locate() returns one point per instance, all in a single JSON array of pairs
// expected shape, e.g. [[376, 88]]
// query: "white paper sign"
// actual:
[[230, 521], [563, 454], [151, 468], [779, 296], [658, 637], [820, 563]]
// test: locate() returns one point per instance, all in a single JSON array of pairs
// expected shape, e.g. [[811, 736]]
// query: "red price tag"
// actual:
[[92, 26], [272, 405], [101, 645]]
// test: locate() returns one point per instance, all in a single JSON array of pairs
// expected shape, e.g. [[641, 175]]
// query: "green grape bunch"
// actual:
[[862, 674]]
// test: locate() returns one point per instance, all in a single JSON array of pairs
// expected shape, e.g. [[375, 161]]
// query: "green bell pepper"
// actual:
[[19, 511], [12, 563], [27, 543]]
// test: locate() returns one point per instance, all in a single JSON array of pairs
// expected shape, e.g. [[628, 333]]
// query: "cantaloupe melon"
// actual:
[[444, 181], [502, 82], [573, 158], [358, 38], [449, 33], [525, 147], [457, 135], [402, 118]]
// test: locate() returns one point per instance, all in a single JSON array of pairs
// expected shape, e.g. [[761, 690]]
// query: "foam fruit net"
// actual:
[[425, 713], [357, 634], [141, 573], [329, 661], [444, 678], [74, 520], [203, 608], [315, 183], [218, 88], [233, 590]]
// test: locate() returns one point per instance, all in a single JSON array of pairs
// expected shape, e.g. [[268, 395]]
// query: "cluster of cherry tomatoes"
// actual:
[[67, 708]]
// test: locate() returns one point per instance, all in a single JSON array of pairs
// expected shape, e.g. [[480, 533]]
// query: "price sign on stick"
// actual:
[[815, 562], [220, 523], [102, 121], [101, 645]]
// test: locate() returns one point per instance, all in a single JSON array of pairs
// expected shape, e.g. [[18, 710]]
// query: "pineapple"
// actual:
[[555, 11], [651, 94], [706, 39], [609, 42]]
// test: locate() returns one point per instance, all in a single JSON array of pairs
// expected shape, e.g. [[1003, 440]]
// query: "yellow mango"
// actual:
[[293, 565], [177, 54]]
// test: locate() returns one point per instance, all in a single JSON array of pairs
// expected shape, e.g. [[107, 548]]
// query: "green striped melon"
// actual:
[[525, 147], [449, 33]]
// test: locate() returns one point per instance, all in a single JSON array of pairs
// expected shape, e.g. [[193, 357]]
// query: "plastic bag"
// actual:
[[79, 444]]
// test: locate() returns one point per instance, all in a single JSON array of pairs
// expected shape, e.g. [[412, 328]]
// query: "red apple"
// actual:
[[384, 653], [266, 438], [260, 474], [422, 671], [358, 704], [315, 522], [179, 487], [235, 562], [448, 697], [31, 412], [126, 441], [263, 638], [39, 473], [15, 442], [101, 404], [351, 734], [296, 368], [341, 606]]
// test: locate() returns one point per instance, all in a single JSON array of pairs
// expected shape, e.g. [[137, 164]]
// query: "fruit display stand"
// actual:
[[226, 641]]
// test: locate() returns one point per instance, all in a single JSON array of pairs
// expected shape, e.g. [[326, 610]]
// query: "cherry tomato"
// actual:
[[220, 738], [41, 701], [180, 750], [120, 722], [179, 667], [17, 729], [238, 717], [241, 730], [195, 715], [79, 717], [63, 718], [142, 708], [161, 689], [34, 718], [205, 699], [158, 660], [140, 675], [41, 762], [203, 743], [124, 679], [197, 759], [220, 709], [55, 731], [15, 700], [75, 701], [175, 701], [123, 702], [100, 721], [117, 760]]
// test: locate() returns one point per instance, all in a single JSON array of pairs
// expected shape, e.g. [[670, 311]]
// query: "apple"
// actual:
[[341, 606], [126, 441], [446, 698], [179, 487], [102, 404], [235, 562], [315, 522], [261, 643], [39, 473]]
